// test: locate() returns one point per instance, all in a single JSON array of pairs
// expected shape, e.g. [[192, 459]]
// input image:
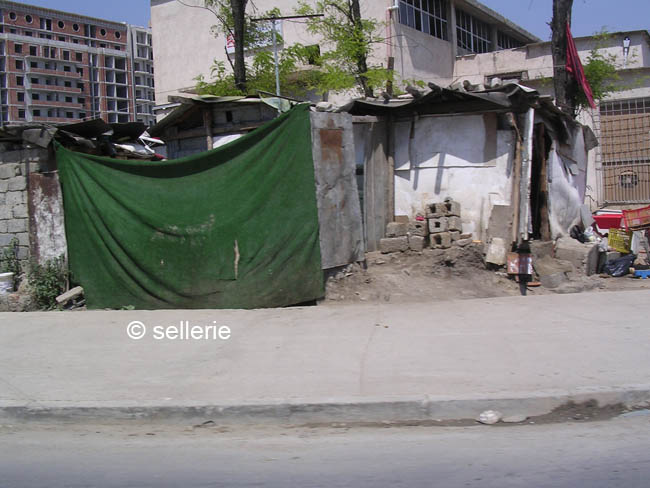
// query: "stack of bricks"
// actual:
[[441, 229], [444, 223], [403, 235]]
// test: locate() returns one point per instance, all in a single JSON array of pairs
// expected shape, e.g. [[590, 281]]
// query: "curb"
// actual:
[[412, 410]]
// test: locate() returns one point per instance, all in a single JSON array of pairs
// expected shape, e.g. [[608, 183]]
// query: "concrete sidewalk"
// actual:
[[447, 360]]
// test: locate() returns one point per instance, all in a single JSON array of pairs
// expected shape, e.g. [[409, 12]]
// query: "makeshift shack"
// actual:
[[514, 162]]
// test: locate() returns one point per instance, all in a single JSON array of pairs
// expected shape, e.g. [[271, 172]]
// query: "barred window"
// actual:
[[504, 41], [473, 35], [428, 16]]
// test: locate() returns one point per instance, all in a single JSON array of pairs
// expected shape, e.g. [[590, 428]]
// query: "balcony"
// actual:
[[47, 103], [53, 72], [65, 89]]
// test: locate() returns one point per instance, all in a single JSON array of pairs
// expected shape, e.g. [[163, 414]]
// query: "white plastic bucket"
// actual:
[[6, 283]]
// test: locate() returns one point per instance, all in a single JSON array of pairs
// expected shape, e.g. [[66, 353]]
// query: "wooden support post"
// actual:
[[390, 159], [207, 122]]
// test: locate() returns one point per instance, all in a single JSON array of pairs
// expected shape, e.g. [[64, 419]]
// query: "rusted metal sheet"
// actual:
[[339, 211], [46, 224]]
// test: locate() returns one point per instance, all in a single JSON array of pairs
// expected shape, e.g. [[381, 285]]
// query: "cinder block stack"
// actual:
[[445, 225], [396, 239], [441, 229]]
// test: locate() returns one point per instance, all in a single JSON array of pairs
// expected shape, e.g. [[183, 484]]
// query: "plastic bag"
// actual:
[[620, 266]]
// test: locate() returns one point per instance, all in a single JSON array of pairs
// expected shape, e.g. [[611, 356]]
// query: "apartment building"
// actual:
[[423, 37], [62, 67]]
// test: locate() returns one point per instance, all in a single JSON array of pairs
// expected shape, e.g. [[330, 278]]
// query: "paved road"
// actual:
[[605, 454]]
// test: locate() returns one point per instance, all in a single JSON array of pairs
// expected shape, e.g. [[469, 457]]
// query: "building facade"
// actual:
[[423, 37], [62, 67]]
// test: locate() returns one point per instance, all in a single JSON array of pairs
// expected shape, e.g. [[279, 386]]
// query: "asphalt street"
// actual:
[[606, 454]]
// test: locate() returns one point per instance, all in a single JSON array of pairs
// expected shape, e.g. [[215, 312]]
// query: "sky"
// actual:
[[589, 16]]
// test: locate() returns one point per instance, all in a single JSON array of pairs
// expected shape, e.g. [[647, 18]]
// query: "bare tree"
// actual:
[[566, 88]]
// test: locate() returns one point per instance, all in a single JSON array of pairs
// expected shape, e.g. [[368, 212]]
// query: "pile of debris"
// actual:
[[441, 229]]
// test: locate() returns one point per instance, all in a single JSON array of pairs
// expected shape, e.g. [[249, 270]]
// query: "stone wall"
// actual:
[[16, 162]]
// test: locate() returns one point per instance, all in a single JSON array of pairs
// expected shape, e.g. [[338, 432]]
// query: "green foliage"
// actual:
[[47, 281], [9, 262], [261, 74], [349, 41], [601, 72]]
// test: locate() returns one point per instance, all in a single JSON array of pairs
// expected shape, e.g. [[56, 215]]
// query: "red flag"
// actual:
[[574, 66]]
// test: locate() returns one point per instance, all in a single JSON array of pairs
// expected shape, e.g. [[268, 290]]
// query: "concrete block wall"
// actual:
[[16, 162]]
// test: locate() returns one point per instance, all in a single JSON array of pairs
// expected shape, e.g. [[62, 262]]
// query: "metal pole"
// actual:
[[275, 58]]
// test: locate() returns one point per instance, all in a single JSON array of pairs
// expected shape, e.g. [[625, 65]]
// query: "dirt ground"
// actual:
[[446, 274]]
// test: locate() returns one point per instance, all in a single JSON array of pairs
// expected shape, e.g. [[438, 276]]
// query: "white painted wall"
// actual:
[[463, 157]]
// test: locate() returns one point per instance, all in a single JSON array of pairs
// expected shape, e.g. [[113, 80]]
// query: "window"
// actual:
[[29, 33], [34, 81], [102, 44], [61, 24], [20, 81], [67, 84], [28, 19], [69, 115], [473, 35], [66, 55], [80, 71], [78, 57], [117, 48], [504, 41], [36, 112], [36, 96], [428, 16], [81, 100], [75, 41], [118, 35], [102, 32], [12, 15], [21, 96], [19, 64], [50, 113], [33, 64], [62, 38], [80, 86], [75, 27], [82, 115], [12, 31], [68, 99], [67, 69], [21, 114], [33, 50], [46, 24], [18, 48]]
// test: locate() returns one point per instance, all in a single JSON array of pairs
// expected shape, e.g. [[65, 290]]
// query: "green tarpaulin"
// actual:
[[235, 227]]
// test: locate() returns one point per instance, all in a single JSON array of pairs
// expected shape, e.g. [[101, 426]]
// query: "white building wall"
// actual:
[[437, 162], [186, 48]]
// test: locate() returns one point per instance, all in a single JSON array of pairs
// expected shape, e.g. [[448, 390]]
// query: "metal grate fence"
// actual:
[[625, 151]]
